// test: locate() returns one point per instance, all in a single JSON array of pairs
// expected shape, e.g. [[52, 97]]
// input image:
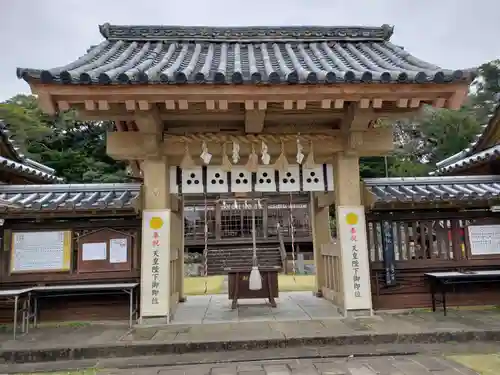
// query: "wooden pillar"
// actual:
[[321, 235], [351, 228], [160, 244], [180, 262]]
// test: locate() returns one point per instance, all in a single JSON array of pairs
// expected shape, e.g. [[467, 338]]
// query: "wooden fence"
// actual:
[[403, 245]]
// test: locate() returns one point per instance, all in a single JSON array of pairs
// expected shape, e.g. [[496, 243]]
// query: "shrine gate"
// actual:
[[248, 111]]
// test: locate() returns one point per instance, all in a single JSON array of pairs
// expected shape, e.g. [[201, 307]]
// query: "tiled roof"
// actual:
[[475, 153], [492, 153], [433, 189], [69, 197], [23, 169], [21, 164], [237, 55], [493, 122]]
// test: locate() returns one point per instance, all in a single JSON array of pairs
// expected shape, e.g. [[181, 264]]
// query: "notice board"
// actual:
[[484, 239], [104, 250], [40, 251]]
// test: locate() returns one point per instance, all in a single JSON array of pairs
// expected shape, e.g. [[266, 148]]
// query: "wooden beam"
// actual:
[[140, 146], [254, 120], [144, 105], [46, 103], [132, 145], [415, 103], [325, 199], [377, 103], [103, 105], [368, 199], [457, 99], [63, 105], [301, 104], [149, 121], [240, 93], [402, 103], [288, 105], [223, 105], [357, 118], [90, 106], [439, 102], [134, 168], [210, 104]]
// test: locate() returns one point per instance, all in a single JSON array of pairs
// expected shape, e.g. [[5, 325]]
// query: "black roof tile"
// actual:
[[237, 55], [433, 189], [69, 197], [21, 164]]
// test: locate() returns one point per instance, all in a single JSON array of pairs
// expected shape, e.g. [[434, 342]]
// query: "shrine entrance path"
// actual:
[[302, 320], [292, 306]]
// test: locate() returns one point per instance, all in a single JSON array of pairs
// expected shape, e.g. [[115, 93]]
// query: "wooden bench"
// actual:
[[441, 282]]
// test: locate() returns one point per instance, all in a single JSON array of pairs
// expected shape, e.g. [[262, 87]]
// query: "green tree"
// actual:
[[486, 89], [445, 132], [372, 167], [75, 149], [429, 137]]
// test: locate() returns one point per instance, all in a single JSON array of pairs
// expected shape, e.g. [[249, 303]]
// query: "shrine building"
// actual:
[[16, 168], [236, 115]]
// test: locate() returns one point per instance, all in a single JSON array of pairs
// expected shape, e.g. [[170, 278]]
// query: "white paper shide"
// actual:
[[155, 278]]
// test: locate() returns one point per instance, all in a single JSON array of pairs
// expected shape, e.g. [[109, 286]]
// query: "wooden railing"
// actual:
[[422, 237], [403, 246], [332, 268], [174, 280], [283, 252]]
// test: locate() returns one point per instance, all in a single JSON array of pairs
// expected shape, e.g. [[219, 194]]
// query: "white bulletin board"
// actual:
[[484, 239], [40, 251]]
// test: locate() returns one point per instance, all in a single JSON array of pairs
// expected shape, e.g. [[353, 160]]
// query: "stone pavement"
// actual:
[[291, 306], [423, 364], [430, 357], [78, 341], [398, 365]]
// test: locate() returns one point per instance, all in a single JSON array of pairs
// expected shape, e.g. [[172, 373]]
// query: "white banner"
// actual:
[[155, 264], [355, 260]]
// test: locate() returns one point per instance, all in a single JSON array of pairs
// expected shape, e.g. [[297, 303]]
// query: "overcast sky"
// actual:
[[50, 33]]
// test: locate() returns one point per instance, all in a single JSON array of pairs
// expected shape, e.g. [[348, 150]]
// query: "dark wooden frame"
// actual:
[[129, 224], [103, 235], [8, 247], [411, 289], [468, 245], [268, 199]]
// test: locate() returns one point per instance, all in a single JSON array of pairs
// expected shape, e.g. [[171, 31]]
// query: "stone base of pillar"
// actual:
[[182, 299], [318, 294], [153, 320], [356, 313]]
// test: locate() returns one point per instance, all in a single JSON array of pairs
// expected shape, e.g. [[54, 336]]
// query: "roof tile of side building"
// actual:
[[476, 152], [237, 55], [22, 164], [434, 189], [69, 197]]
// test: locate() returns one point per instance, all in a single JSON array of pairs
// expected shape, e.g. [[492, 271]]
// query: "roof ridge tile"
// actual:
[[245, 33]]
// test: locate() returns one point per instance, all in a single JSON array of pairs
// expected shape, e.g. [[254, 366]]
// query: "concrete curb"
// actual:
[[148, 349]]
